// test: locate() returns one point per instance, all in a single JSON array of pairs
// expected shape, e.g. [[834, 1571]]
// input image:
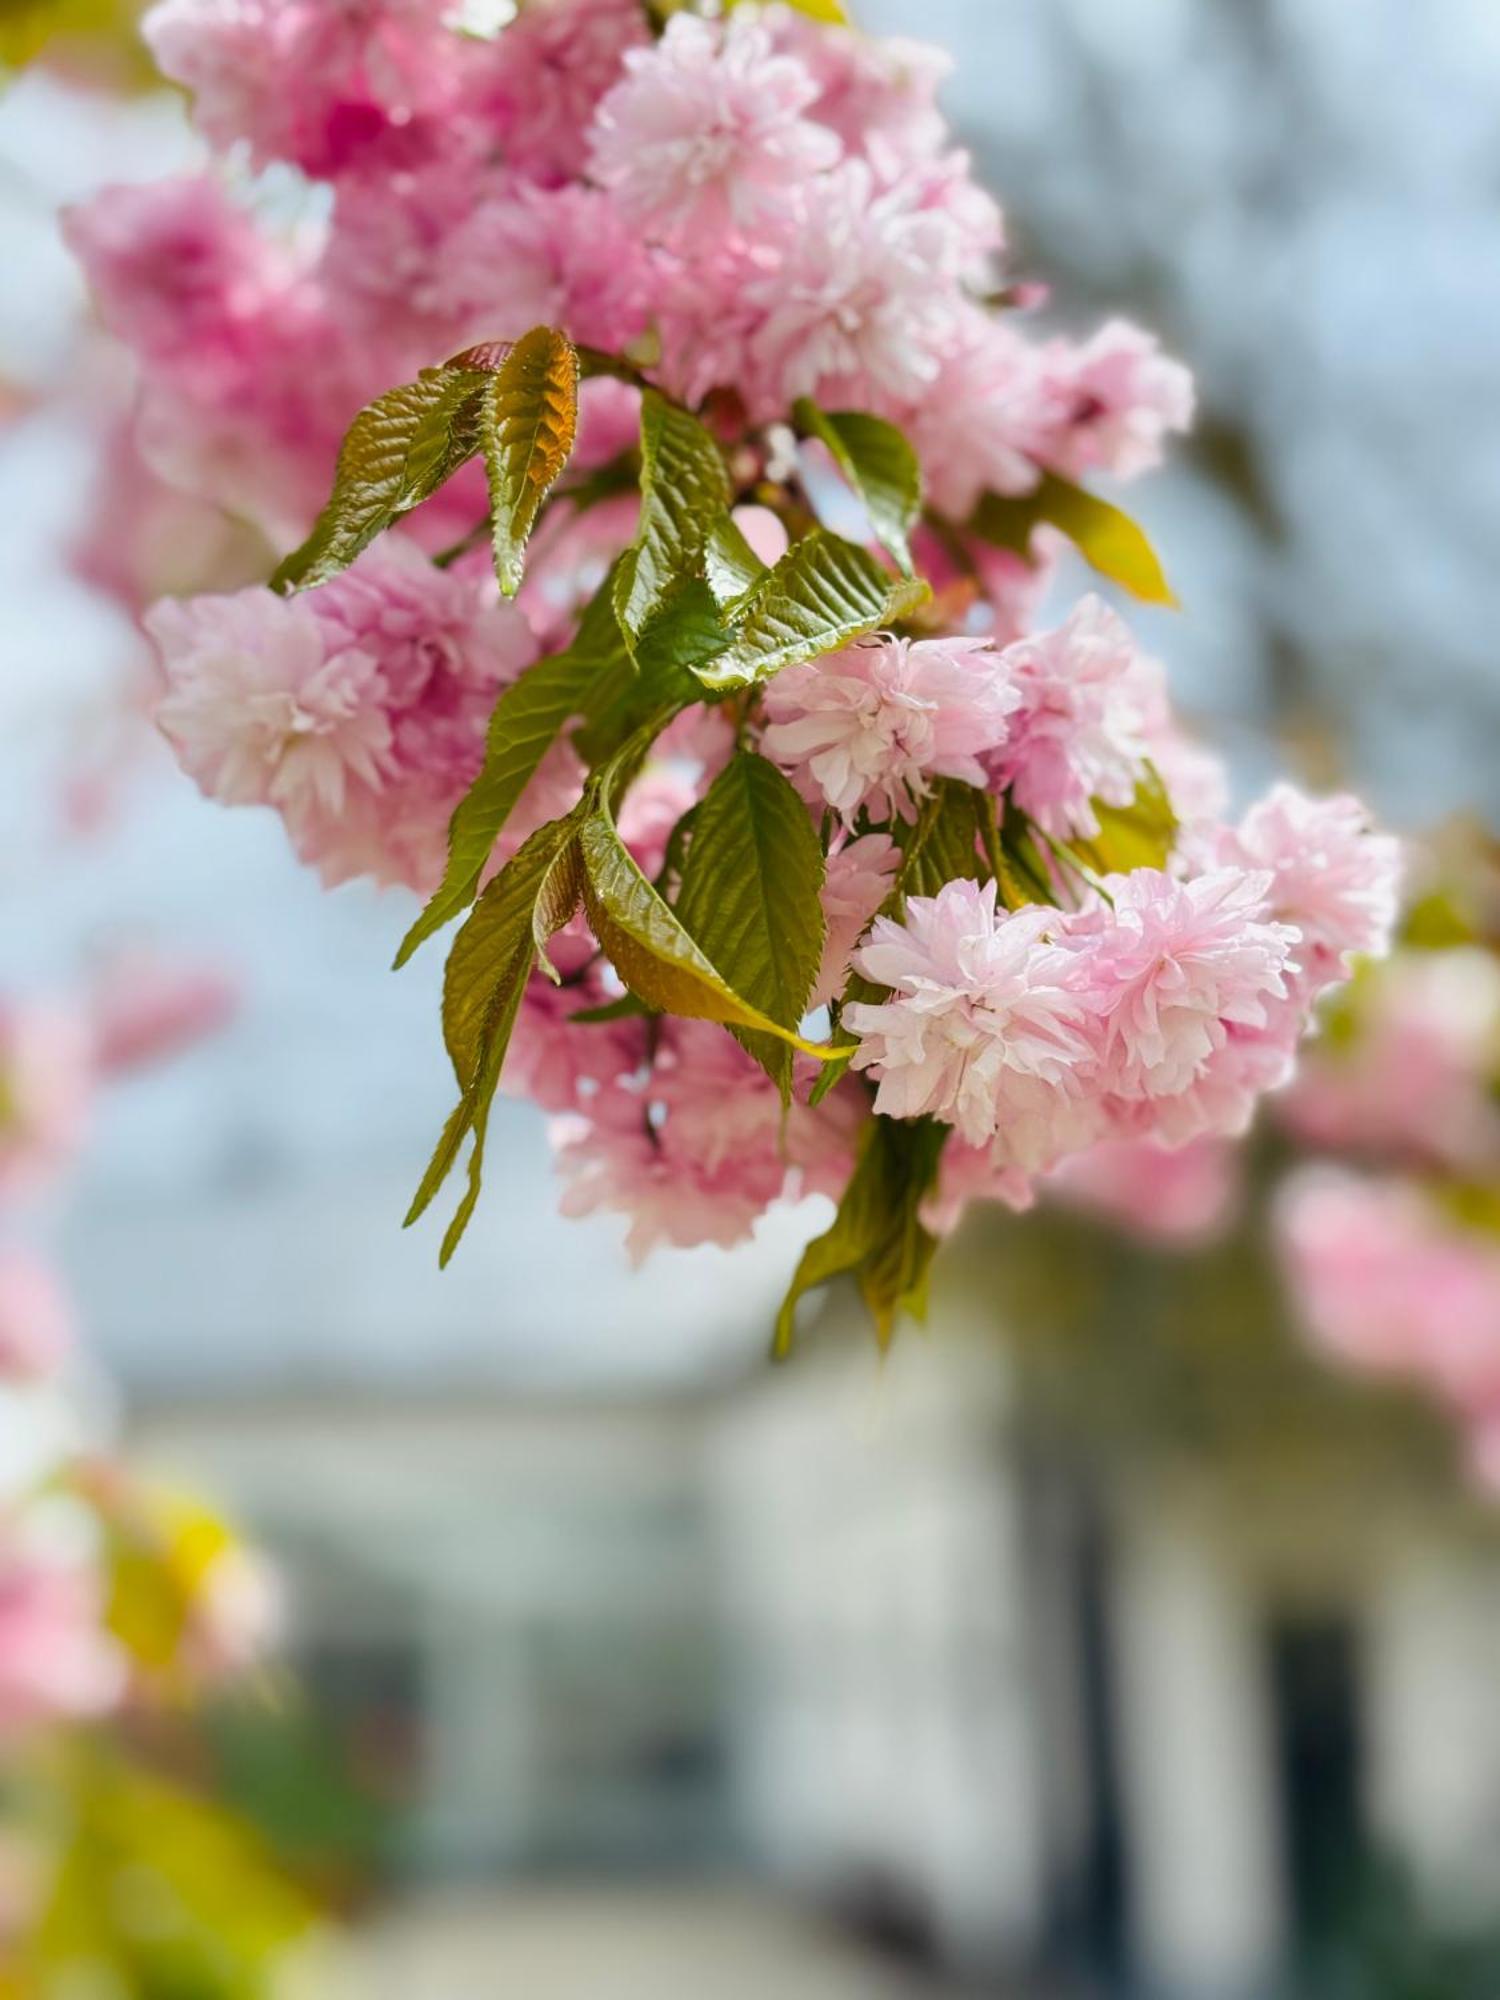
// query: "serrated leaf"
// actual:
[[650, 948], [685, 632], [530, 422], [556, 905], [654, 684], [1105, 535], [877, 1236], [1140, 835], [684, 492], [944, 843], [878, 463], [750, 896], [527, 721], [398, 451], [492, 958], [502, 921], [731, 566], [626, 1008], [824, 593]]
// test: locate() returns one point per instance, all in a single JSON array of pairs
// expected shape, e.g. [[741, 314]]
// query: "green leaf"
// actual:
[[650, 948], [492, 958], [530, 421], [685, 632], [655, 683], [750, 896], [823, 593], [878, 463], [877, 1236], [504, 920], [528, 718], [626, 1008], [398, 451], [684, 492], [1140, 835], [1114, 544], [944, 843], [732, 567]]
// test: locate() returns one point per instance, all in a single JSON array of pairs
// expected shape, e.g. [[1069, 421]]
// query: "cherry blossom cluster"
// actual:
[[65, 1502], [752, 218], [1391, 1242], [1154, 1015], [776, 203]]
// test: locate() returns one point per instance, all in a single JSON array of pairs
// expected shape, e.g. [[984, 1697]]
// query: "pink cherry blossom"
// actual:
[[146, 1007], [1088, 697], [856, 882], [469, 253], [987, 418], [545, 75], [238, 1614], [970, 1174], [36, 1320], [1337, 880], [692, 1153], [178, 269], [1169, 968], [332, 89], [1180, 1195], [1387, 1282], [1411, 1077], [246, 381], [706, 131], [878, 94], [358, 712], [1117, 399], [56, 1661], [141, 539], [258, 713], [848, 295], [871, 726], [983, 1028], [46, 1083]]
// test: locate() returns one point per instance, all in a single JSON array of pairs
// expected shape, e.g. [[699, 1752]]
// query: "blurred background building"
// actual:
[[601, 1620]]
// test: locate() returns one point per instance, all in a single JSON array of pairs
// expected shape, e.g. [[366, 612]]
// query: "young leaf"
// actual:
[[732, 567], [877, 1236], [685, 631], [684, 492], [750, 897], [527, 720], [502, 922], [530, 421], [1103, 534], [878, 463], [823, 593], [656, 682], [1140, 835], [398, 451], [491, 961], [649, 947], [945, 841]]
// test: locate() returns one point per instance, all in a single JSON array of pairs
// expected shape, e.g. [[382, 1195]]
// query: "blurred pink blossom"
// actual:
[[36, 1318]]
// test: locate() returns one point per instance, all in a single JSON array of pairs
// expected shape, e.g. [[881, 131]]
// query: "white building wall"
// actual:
[[1198, 1773], [876, 1595], [1433, 1719]]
